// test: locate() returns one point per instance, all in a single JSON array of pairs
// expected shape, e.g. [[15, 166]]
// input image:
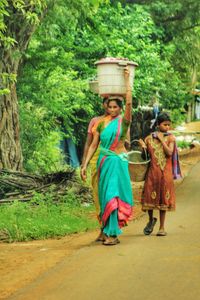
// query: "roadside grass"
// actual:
[[44, 218]]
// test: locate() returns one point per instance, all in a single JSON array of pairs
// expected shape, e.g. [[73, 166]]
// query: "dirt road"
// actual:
[[140, 267]]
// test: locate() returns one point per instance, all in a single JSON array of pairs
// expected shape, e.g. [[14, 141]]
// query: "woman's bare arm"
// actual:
[[89, 155], [86, 147], [168, 148], [128, 105]]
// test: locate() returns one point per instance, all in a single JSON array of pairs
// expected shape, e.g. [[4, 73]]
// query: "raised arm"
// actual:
[[89, 155], [143, 143], [168, 148], [128, 105]]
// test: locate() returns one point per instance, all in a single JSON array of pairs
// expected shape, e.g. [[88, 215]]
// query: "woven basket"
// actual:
[[137, 165]]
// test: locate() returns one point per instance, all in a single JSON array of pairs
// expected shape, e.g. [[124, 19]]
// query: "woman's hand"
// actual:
[[142, 143], [83, 173], [127, 145], [126, 73], [160, 137], [168, 147]]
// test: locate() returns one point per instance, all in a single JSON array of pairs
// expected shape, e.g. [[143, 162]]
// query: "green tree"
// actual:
[[179, 21], [60, 60], [130, 32], [18, 21], [51, 88]]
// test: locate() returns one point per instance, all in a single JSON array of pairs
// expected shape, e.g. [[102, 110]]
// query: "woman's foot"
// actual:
[[101, 237], [161, 232], [111, 241], [149, 227]]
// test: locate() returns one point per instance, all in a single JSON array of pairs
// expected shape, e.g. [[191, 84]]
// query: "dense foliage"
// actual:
[[162, 37]]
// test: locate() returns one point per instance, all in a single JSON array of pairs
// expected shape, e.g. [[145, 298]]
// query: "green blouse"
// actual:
[[124, 127]]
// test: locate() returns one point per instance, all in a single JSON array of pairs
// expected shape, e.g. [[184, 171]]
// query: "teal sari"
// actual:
[[114, 185]]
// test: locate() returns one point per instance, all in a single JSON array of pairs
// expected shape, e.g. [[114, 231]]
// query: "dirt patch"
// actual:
[[21, 263], [193, 126]]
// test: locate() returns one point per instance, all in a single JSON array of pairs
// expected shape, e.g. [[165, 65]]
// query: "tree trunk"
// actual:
[[10, 149], [18, 28]]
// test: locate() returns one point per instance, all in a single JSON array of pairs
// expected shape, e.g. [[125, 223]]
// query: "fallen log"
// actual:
[[24, 181], [23, 186]]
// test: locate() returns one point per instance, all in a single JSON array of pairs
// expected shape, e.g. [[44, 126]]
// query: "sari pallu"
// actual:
[[115, 192], [93, 167]]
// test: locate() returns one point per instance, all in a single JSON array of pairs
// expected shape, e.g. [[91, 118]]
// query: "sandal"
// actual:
[[149, 227], [101, 237], [161, 232], [111, 242]]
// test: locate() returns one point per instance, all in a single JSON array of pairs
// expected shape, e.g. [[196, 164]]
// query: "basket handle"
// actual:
[[145, 151], [135, 140]]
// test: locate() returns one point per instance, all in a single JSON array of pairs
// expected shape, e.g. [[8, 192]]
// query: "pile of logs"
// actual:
[[22, 186]]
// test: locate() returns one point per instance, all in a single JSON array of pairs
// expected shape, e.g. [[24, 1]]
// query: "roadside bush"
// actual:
[[177, 117], [183, 144]]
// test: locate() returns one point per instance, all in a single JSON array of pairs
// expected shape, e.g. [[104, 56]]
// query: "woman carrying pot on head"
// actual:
[[114, 186], [93, 162]]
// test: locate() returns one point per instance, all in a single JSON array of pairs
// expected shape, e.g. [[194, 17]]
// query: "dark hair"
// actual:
[[104, 100], [162, 117], [119, 102]]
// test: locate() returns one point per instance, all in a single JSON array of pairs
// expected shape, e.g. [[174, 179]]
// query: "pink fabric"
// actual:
[[101, 163], [114, 144], [125, 211]]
